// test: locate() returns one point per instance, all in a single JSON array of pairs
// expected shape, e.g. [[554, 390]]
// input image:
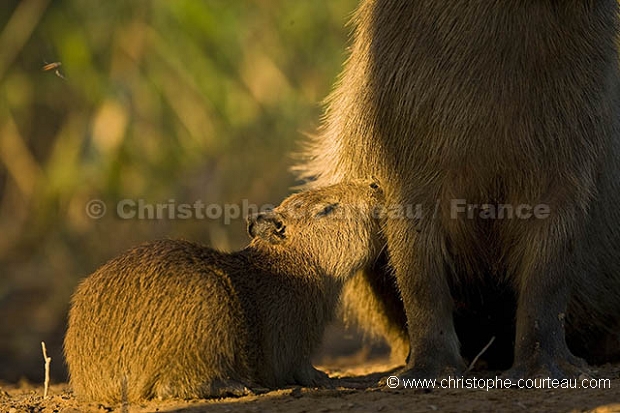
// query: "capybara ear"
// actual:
[[266, 225]]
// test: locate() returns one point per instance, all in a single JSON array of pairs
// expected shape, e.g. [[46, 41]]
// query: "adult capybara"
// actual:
[[462, 108], [172, 318]]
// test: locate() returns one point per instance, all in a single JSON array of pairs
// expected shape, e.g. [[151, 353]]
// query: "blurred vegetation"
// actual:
[[159, 100]]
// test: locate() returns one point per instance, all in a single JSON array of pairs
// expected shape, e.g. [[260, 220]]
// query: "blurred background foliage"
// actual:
[[159, 100]]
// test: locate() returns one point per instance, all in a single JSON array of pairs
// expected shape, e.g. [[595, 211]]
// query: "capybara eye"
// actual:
[[374, 185], [279, 226], [327, 210]]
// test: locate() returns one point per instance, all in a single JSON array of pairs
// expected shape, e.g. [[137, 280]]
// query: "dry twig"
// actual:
[[473, 363], [47, 369]]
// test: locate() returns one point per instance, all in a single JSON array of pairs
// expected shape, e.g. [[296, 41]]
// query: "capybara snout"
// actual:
[[267, 225]]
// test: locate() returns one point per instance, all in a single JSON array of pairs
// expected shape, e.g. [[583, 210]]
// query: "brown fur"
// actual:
[[172, 318], [511, 102]]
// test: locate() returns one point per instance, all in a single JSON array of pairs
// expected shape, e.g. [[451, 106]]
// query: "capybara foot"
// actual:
[[227, 388], [409, 375], [215, 388], [311, 377], [545, 365]]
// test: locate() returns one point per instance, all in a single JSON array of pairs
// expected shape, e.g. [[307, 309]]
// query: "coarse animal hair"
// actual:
[[172, 318], [492, 102]]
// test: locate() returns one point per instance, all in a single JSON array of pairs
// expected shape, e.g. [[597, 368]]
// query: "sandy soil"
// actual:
[[355, 391]]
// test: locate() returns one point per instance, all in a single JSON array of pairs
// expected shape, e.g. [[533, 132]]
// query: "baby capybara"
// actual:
[[176, 319]]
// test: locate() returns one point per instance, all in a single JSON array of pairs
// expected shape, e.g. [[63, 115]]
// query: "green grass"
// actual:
[[161, 100]]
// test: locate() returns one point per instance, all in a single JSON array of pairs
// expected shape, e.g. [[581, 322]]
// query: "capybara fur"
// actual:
[[459, 108], [172, 318]]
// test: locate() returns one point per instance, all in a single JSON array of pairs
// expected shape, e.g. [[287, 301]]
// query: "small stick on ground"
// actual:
[[485, 348], [47, 369]]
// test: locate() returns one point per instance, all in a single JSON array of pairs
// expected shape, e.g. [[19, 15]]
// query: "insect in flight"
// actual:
[[55, 66]]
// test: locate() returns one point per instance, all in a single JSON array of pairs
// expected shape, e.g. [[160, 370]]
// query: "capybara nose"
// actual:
[[265, 225]]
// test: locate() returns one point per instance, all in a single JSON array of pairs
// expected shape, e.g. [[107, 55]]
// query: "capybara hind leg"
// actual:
[[420, 270], [543, 274]]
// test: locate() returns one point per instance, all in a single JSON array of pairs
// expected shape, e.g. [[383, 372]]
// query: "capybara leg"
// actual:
[[419, 263], [544, 268]]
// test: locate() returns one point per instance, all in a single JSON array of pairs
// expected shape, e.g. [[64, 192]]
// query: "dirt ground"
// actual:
[[355, 391]]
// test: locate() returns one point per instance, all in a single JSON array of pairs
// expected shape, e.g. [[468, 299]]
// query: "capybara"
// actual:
[[462, 108], [172, 318]]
